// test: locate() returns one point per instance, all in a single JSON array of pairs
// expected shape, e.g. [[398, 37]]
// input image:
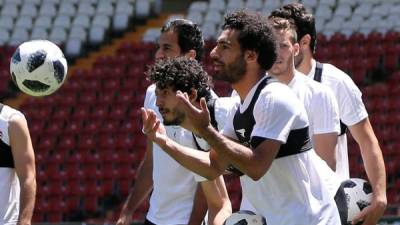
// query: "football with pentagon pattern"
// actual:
[[38, 67], [245, 217], [353, 196]]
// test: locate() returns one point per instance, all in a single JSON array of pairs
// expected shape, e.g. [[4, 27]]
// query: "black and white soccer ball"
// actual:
[[245, 217], [353, 196], [38, 67]]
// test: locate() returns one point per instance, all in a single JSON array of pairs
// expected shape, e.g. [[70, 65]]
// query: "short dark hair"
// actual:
[[255, 34], [180, 73], [189, 35], [279, 24], [304, 21]]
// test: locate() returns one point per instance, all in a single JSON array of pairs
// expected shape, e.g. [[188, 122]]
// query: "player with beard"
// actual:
[[176, 197], [352, 112], [283, 175]]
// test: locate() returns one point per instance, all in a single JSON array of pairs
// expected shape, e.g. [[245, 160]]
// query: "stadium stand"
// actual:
[[88, 149]]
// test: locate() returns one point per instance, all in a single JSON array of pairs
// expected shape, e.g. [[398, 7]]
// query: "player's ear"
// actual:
[[191, 54], [296, 49], [250, 55], [192, 95], [305, 42]]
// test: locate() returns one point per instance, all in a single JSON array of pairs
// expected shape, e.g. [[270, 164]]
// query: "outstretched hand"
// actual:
[[151, 125], [196, 120]]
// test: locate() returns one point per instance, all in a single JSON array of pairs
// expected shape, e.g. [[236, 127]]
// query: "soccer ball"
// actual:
[[38, 67], [353, 196], [245, 217]]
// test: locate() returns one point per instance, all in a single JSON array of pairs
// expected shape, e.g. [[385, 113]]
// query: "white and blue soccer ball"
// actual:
[[38, 67], [245, 217], [355, 194]]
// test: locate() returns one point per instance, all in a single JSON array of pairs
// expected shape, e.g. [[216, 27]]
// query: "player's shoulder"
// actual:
[[335, 74], [275, 87], [226, 102], [7, 112]]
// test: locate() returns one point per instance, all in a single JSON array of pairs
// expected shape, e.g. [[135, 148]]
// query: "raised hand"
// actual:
[[196, 120], [151, 125]]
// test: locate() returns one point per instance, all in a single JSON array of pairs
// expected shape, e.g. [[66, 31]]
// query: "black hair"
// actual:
[[304, 21], [180, 73], [189, 36], [255, 34]]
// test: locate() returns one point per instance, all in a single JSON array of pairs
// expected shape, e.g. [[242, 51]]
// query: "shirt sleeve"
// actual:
[[348, 96], [325, 112], [352, 106], [278, 112]]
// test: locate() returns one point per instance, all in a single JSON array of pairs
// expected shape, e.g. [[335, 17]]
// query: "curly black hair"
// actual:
[[180, 73], [304, 21], [255, 34], [189, 36]]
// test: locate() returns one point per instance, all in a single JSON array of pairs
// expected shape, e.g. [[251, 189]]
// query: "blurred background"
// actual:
[[87, 137]]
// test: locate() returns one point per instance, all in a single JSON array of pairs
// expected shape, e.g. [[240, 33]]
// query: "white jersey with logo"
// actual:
[[292, 191], [9, 184], [351, 108]]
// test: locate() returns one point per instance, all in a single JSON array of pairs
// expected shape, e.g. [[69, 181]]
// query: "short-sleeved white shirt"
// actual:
[[351, 108], [292, 191], [174, 186], [322, 111], [320, 104]]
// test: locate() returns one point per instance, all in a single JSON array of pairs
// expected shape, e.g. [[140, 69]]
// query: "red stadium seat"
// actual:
[[73, 127], [90, 203], [82, 112], [46, 143], [87, 142], [61, 113], [87, 97], [111, 85], [92, 126], [125, 186], [54, 128], [118, 112], [67, 142], [73, 203], [55, 217], [106, 98]]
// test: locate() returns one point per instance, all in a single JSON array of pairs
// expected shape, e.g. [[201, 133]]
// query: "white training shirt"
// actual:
[[292, 191], [322, 112], [9, 185], [351, 108]]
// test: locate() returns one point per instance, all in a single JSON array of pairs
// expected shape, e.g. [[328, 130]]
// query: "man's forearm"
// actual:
[[27, 201], [196, 161]]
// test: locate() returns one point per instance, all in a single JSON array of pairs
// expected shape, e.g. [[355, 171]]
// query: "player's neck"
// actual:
[[248, 81], [286, 77], [305, 65]]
